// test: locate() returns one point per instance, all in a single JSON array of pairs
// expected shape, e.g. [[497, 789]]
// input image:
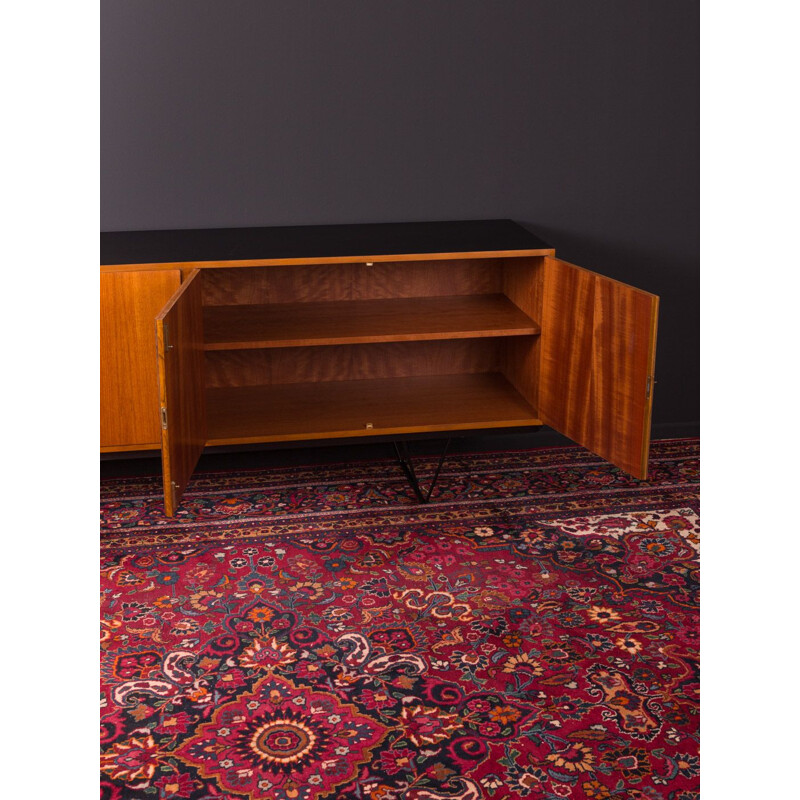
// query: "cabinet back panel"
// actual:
[[326, 282], [352, 362]]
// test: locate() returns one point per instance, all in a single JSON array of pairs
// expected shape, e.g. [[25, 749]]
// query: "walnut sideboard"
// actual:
[[243, 335]]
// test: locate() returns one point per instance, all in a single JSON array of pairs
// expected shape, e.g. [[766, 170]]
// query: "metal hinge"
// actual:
[[650, 383], [163, 418]]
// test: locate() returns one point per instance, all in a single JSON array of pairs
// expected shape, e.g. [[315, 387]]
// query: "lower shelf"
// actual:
[[287, 412]]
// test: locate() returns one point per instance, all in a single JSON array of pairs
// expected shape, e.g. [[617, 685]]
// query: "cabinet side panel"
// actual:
[[179, 335], [129, 302], [523, 284]]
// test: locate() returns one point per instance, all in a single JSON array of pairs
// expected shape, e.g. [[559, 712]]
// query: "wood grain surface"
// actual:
[[523, 284], [598, 359], [352, 362], [182, 397], [352, 281], [129, 303], [287, 412], [360, 321]]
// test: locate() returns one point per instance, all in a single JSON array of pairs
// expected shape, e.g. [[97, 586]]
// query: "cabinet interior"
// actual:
[[282, 334], [350, 349]]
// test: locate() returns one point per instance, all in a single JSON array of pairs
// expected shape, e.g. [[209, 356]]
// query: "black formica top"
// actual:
[[317, 241]]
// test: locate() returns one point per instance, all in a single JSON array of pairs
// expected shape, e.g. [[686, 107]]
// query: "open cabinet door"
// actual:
[[181, 385], [598, 355]]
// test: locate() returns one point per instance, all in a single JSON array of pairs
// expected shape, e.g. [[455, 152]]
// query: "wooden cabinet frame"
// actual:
[[287, 349]]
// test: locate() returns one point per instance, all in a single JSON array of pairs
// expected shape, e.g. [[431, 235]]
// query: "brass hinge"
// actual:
[[163, 418]]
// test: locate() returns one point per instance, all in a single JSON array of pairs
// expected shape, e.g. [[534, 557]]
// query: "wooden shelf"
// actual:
[[241, 327], [286, 412]]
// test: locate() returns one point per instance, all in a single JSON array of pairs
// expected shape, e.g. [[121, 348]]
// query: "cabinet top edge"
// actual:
[[325, 243]]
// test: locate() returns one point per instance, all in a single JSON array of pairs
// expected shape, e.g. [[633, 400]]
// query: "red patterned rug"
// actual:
[[314, 633]]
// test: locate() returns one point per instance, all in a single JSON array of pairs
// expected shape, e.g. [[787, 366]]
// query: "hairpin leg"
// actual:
[[404, 458]]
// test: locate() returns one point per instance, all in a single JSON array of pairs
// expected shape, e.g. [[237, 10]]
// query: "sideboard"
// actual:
[[243, 335]]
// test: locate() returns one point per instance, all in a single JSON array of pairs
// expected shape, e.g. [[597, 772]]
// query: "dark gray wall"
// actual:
[[577, 118]]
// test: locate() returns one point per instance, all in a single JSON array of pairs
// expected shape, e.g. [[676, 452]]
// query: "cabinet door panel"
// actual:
[[179, 335], [129, 302], [598, 356]]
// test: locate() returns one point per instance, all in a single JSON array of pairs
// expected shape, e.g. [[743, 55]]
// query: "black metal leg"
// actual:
[[404, 458], [408, 468], [438, 469]]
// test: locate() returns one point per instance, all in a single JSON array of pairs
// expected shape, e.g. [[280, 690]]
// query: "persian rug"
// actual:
[[313, 632]]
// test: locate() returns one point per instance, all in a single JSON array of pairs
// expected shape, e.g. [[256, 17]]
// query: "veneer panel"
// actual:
[[238, 415], [360, 321]]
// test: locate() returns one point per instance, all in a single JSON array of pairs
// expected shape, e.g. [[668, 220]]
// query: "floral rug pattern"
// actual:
[[314, 633]]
